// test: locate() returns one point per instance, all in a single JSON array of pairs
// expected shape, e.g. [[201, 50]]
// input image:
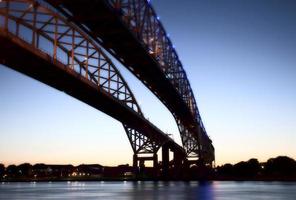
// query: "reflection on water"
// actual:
[[149, 190]]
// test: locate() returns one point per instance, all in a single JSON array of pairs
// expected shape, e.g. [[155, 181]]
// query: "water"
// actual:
[[149, 190]]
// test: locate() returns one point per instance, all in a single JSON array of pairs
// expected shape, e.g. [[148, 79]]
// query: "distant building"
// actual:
[[119, 171], [93, 170], [42, 170]]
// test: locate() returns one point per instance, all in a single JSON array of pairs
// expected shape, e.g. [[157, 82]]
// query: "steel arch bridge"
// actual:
[[59, 43]]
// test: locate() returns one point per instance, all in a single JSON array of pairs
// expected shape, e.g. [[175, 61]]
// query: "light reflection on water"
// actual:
[[228, 190]]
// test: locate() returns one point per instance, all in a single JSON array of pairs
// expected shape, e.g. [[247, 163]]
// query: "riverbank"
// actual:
[[112, 179]]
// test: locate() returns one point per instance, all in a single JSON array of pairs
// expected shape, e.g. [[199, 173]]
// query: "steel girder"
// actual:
[[36, 24]]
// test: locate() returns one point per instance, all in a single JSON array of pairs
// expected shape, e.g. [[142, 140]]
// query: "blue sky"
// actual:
[[240, 59]]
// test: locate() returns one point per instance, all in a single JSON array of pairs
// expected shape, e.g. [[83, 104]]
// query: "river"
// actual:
[[216, 190]]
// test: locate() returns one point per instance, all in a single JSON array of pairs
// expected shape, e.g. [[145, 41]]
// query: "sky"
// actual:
[[240, 60]]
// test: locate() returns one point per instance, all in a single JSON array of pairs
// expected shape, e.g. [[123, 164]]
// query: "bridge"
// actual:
[[62, 43]]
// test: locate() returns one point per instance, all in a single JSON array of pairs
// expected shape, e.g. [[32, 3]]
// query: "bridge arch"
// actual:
[[39, 42]]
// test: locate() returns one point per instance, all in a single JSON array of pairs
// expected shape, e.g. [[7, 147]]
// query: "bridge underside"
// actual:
[[38, 65], [105, 25]]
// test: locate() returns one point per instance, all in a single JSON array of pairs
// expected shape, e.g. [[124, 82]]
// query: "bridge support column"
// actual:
[[135, 161], [165, 161], [142, 165], [135, 165], [178, 159], [155, 160], [155, 164], [139, 164]]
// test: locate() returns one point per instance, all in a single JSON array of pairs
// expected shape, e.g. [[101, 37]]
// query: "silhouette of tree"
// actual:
[[250, 168], [12, 170], [225, 170], [280, 166], [253, 167], [240, 169], [2, 170], [25, 169]]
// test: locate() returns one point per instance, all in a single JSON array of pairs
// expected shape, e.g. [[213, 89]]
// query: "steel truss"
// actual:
[[142, 21], [44, 29]]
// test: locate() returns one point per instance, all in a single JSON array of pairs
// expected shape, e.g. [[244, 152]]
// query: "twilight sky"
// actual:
[[240, 59]]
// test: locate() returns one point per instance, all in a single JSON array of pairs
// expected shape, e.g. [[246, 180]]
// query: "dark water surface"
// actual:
[[149, 190]]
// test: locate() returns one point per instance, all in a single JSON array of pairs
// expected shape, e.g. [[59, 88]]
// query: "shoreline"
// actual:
[[148, 179]]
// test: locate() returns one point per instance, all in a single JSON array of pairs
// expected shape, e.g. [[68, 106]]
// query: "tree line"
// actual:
[[279, 168]]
